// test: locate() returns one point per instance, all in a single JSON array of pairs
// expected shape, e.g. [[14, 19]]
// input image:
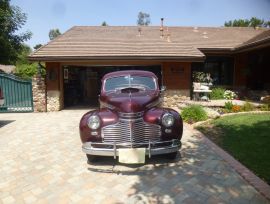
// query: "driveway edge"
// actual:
[[249, 176]]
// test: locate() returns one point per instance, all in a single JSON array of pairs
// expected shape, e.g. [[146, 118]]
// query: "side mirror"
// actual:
[[162, 89]]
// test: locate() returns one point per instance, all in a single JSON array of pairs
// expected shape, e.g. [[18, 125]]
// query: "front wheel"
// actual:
[[90, 158]]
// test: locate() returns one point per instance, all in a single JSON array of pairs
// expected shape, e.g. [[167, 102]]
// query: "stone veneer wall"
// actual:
[[39, 96], [173, 98], [53, 101]]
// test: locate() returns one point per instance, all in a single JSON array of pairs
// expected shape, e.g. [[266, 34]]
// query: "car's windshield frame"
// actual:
[[139, 86]]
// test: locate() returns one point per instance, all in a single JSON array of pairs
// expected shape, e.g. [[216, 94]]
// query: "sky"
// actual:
[[44, 15]]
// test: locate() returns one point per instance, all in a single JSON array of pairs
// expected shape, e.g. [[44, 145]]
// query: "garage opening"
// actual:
[[82, 84]]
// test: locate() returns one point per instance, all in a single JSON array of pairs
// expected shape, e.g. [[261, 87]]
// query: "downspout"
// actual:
[[45, 82]]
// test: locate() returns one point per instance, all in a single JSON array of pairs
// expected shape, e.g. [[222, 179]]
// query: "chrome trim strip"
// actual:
[[131, 115]]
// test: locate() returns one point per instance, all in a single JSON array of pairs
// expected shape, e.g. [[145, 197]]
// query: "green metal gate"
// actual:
[[17, 94]]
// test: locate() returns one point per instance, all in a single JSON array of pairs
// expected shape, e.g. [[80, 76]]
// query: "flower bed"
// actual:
[[194, 113]]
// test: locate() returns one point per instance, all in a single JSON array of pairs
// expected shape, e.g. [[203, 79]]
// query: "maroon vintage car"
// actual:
[[130, 124]]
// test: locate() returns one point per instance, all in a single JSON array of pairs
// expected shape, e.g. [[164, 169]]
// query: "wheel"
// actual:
[[172, 155], [90, 158]]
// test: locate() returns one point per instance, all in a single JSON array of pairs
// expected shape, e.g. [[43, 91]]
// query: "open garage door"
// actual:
[[82, 84]]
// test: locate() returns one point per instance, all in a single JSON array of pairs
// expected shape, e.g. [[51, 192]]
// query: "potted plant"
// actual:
[[202, 78]]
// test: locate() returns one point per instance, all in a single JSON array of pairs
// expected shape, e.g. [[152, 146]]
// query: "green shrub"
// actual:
[[193, 113], [248, 106], [265, 107], [28, 70], [217, 93], [228, 106]]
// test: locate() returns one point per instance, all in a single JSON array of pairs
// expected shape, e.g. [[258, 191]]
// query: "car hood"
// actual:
[[130, 101]]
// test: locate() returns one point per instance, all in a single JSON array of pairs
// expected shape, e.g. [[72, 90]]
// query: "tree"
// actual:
[[37, 46], [25, 68], [253, 22], [143, 19], [54, 33], [104, 23], [237, 23], [11, 21]]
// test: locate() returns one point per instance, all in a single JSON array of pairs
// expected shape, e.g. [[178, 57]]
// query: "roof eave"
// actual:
[[253, 45], [227, 50], [118, 58]]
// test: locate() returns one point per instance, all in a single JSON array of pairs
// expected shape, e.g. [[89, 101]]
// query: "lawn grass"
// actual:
[[246, 137]]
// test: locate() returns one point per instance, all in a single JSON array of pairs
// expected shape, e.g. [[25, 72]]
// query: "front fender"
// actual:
[[106, 116], [154, 116]]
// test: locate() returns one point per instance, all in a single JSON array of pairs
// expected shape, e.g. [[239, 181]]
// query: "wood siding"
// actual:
[[53, 76], [177, 75], [240, 70]]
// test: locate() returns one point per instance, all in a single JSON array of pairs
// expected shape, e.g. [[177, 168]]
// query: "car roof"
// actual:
[[129, 72]]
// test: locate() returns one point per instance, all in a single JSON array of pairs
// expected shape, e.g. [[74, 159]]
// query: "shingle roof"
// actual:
[[90, 42], [262, 38]]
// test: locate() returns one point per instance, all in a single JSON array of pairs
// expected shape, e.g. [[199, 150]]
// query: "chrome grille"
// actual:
[[131, 131]]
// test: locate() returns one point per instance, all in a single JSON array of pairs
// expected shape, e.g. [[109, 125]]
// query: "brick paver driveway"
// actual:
[[41, 162]]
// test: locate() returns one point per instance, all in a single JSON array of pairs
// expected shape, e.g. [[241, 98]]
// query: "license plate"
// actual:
[[132, 156]]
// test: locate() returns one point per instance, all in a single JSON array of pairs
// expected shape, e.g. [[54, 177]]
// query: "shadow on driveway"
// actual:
[[198, 175], [5, 122], [108, 164]]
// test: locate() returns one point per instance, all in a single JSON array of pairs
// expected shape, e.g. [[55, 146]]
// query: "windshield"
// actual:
[[122, 82]]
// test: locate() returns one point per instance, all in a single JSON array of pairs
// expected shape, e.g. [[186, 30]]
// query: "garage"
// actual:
[[82, 83]]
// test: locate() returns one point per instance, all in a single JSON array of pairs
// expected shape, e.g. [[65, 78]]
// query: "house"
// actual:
[[236, 57], [9, 69]]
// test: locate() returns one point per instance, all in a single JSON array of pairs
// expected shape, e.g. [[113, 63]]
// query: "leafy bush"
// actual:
[[217, 93], [265, 107], [228, 106], [193, 113], [26, 70], [248, 106], [230, 95]]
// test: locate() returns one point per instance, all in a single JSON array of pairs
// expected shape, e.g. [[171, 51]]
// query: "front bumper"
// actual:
[[152, 148]]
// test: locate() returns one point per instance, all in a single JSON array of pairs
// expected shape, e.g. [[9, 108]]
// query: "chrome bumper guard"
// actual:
[[109, 149]]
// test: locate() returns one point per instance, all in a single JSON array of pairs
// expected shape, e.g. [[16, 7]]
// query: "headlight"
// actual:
[[168, 120], [93, 122]]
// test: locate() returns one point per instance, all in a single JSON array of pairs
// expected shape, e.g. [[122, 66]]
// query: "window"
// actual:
[[128, 81], [220, 69]]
